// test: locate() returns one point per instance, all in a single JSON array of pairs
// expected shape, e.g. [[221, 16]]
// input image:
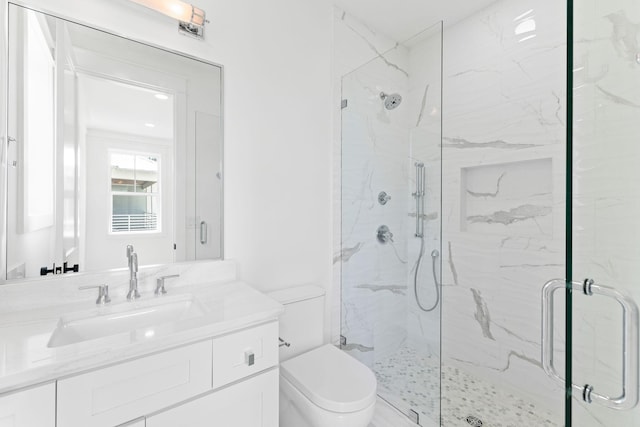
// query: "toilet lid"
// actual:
[[331, 379]]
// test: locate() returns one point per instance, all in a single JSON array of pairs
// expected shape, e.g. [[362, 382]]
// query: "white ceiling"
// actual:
[[127, 109], [403, 19]]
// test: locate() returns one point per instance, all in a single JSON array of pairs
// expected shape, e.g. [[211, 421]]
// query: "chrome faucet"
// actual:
[[133, 274]]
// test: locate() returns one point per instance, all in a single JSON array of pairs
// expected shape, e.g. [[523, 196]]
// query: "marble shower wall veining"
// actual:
[[503, 193]]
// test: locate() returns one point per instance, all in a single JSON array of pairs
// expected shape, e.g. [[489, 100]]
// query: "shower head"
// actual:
[[391, 101]]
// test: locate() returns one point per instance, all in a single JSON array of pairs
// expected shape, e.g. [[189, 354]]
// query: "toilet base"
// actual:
[[298, 411]]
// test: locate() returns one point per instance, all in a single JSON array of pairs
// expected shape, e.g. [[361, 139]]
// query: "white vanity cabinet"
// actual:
[[29, 408], [249, 403], [227, 380]]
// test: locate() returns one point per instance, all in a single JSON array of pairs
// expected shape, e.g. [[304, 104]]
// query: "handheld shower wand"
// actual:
[[420, 217]]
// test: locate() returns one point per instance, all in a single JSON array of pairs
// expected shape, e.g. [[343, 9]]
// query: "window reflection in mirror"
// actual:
[[135, 193], [117, 143]]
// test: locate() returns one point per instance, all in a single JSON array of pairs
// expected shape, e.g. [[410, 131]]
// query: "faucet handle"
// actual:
[[103, 293], [160, 290]]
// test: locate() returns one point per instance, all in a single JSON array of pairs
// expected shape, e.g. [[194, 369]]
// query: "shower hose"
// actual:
[[434, 257]]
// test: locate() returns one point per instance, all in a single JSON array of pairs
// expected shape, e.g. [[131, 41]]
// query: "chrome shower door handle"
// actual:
[[547, 328], [203, 232], [628, 398]]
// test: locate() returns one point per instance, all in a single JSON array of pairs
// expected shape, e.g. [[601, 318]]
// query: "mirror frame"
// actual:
[[5, 141]]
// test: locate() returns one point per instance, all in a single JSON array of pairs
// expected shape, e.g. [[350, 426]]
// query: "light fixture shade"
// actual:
[[176, 9]]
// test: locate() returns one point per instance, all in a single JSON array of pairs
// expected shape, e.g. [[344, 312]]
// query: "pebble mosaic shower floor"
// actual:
[[407, 379]]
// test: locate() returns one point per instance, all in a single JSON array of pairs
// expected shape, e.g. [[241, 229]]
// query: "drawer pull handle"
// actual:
[[249, 358]]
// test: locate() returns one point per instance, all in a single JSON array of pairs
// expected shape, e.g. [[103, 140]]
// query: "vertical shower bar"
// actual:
[[416, 196], [421, 220], [419, 196]]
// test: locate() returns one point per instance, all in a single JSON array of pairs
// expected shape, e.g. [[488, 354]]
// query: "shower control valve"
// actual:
[[383, 198], [384, 234]]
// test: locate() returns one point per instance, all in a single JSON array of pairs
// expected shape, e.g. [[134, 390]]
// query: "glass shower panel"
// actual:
[[503, 212], [606, 204], [391, 222]]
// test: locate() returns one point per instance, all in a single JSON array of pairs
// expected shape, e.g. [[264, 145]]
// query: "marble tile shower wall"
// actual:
[[503, 191]]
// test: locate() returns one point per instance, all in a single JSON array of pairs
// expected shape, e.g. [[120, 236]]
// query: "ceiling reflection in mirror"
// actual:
[[111, 143]]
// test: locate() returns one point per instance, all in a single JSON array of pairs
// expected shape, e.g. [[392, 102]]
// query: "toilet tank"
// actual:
[[302, 323]]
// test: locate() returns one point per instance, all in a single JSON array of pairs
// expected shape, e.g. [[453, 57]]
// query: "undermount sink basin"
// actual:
[[124, 317]]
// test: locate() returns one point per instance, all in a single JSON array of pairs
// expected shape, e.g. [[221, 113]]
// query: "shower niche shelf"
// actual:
[[514, 198]]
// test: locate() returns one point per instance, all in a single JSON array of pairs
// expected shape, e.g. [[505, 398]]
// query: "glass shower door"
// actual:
[[390, 195], [606, 212]]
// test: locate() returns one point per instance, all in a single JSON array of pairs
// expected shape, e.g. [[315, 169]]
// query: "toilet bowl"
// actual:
[[320, 385], [326, 388]]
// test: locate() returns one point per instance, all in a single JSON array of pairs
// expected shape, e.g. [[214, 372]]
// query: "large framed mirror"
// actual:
[[110, 142]]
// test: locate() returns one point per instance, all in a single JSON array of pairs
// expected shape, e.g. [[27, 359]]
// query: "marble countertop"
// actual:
[[26, 360]]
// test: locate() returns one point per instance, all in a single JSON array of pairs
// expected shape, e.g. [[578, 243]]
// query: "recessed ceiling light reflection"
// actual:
[[524, 15], [526, 38], [150, 125], [162, 96], [525, 27]]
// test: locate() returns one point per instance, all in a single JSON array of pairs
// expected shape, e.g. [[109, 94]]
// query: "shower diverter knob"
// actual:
[[384, 234]]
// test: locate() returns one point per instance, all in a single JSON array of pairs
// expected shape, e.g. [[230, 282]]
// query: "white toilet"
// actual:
[[320, 386]]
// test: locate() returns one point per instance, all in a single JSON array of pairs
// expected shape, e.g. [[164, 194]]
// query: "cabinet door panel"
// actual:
[[117, 394], [29, 408], [250, 403]]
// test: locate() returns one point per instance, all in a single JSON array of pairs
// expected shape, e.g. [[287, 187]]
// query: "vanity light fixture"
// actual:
[[162, 96], [191, 18]]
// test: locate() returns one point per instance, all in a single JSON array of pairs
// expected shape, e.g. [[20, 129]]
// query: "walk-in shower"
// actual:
[[513, 163]]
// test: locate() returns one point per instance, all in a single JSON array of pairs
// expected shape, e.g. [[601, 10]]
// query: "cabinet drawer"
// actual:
[[231, 352], [120, 393], [29, 408]]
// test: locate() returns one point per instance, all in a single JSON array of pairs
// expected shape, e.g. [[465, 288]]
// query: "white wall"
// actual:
[[277, 58]]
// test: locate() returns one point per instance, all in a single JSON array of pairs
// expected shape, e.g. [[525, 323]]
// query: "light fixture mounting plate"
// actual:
[[191, 30]]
